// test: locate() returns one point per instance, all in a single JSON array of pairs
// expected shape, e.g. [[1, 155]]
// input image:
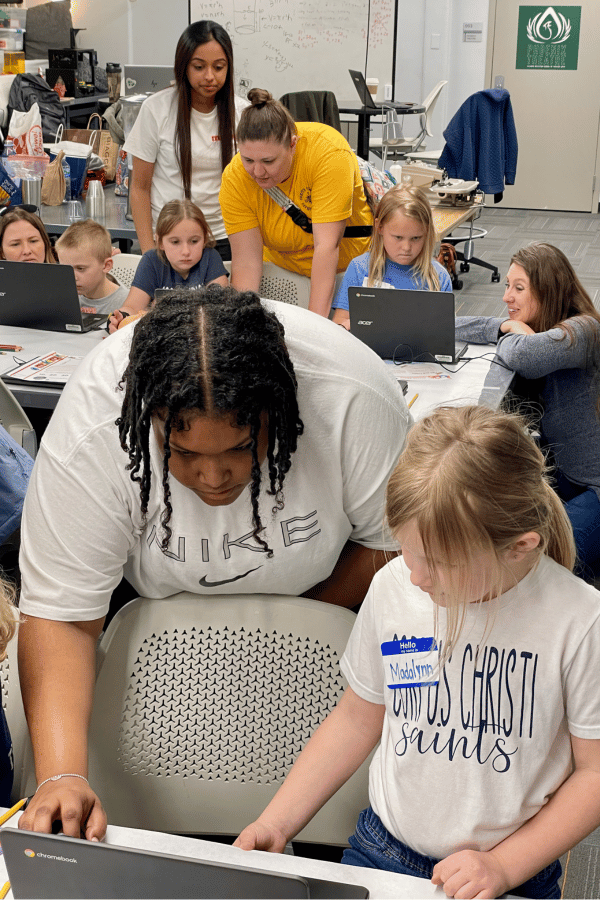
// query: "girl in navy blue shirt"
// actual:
[[184, 257]]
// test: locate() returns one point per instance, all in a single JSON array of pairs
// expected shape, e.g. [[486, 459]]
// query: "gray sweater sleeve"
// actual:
[[537, 355], [477, 329]]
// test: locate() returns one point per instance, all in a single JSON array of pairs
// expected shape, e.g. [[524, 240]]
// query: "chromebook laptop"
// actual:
[[50, 866], [40, 295], [404, 325], [366, 97], [146, 79]]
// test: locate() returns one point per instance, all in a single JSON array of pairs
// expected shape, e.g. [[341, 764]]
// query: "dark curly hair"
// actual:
[[215, 352]]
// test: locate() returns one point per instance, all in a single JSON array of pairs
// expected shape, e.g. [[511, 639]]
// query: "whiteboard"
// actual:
[[298, 45]]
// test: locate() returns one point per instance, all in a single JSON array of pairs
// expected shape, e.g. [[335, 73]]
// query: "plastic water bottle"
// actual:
[[9, 149], [67, 173]]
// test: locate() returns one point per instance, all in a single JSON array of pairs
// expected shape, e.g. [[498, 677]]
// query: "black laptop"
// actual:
[[405, 325], [49, 866], [42, 295], [367, 98]]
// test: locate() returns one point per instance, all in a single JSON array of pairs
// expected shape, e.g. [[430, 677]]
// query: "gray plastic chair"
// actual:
[[202, 704], [14, 419], [124, 266]]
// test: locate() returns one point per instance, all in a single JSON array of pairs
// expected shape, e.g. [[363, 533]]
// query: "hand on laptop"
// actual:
[[73, 802]]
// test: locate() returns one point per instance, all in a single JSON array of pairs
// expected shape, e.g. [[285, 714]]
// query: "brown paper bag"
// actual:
[[100, 141], [53, 182]]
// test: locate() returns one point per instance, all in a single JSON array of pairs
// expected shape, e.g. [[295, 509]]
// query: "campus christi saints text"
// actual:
[[486, 693]]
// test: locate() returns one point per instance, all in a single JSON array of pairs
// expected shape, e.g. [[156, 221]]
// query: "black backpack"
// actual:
[[29, 89]]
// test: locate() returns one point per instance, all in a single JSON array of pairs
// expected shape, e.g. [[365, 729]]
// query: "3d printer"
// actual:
[[73, 67]]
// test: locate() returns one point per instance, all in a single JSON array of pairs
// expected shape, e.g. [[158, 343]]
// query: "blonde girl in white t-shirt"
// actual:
[[475, 661], [184, 136]]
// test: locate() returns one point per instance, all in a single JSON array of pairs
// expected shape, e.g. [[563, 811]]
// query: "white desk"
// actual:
[[474, 379], [380, 884], [37, 343]]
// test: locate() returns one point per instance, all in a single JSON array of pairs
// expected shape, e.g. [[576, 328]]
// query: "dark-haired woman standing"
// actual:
[[184, 135], [230, 457]]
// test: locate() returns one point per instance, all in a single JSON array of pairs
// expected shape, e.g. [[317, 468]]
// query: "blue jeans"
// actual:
[[583, 509], [373, 847]]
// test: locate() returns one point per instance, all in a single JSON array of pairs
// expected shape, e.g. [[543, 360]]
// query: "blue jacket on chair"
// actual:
[[15, 469], [481, 141]]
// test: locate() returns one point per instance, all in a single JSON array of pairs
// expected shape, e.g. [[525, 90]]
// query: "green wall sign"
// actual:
[[548, 37]]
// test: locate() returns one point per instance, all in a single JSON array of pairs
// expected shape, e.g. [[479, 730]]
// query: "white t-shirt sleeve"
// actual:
[[582, 686]]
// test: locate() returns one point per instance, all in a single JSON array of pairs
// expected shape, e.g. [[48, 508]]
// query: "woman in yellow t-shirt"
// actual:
[[312, 165]]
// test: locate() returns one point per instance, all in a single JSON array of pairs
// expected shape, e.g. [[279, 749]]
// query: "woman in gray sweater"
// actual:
[[552, 336]]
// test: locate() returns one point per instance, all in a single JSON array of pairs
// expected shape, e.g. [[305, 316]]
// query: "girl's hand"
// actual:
[[258, 836], [511, 325], [114, 320], [470, 873]]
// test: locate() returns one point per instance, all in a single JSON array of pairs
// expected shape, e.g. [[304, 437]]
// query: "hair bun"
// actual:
[[259, 97]]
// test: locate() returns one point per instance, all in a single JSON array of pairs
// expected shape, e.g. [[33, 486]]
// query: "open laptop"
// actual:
[[40, 295], [367, 98], [51, 866], [405, 325], [146, 79]]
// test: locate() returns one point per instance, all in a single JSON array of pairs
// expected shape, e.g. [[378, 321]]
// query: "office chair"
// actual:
[[16, 422], [313, 106], [389, 144], [202, 704], [288, 287], [124, 266]]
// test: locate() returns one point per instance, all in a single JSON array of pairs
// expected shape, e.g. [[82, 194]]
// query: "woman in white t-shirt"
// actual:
[[184, 136]]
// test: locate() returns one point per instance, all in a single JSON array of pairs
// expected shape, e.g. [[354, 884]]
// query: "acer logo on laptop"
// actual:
[[364, 322]]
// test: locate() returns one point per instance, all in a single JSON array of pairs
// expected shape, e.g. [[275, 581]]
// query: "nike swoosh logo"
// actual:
[[205, 583]]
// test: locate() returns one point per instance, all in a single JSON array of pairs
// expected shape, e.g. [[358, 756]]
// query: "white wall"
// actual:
[[419, 66], [146, 32]]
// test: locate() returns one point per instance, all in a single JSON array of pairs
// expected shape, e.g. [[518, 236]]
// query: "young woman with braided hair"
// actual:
[[227, 455]]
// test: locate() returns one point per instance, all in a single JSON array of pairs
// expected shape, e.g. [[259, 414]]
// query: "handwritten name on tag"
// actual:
[[413, 662]]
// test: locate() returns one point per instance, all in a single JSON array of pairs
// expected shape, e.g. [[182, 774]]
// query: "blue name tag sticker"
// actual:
[[411, 662]]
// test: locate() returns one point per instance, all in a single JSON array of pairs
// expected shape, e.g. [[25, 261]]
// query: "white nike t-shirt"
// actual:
[[82, 527]]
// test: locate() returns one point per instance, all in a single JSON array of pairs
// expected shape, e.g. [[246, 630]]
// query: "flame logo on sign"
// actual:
[[549, 27]]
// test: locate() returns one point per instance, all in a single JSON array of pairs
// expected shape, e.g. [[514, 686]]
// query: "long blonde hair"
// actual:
[[472, 480], [412, 202], [9, 615]]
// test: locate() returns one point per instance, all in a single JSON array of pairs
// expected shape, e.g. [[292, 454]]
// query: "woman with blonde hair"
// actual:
[[401, 251], [551, 339], [310, 164], [474, 661]]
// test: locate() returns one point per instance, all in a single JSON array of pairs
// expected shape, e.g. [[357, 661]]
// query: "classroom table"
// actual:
[[447, 218], [380, 884], [476, 379], [365, 114], [122, 230], [37, 343], [84, 107]]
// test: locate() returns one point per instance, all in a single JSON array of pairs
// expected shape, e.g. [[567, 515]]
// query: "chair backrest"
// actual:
[[14, 419], [288, 287], [124, 266], [429, 104], [202, 704], [313, 106]]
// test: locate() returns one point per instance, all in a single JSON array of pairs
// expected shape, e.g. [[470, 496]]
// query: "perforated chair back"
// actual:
[[124, 266], [203, 703], [288, 287], [14, 419]]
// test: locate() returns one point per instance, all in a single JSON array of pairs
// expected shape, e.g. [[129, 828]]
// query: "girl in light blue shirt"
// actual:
[[401, 253]]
